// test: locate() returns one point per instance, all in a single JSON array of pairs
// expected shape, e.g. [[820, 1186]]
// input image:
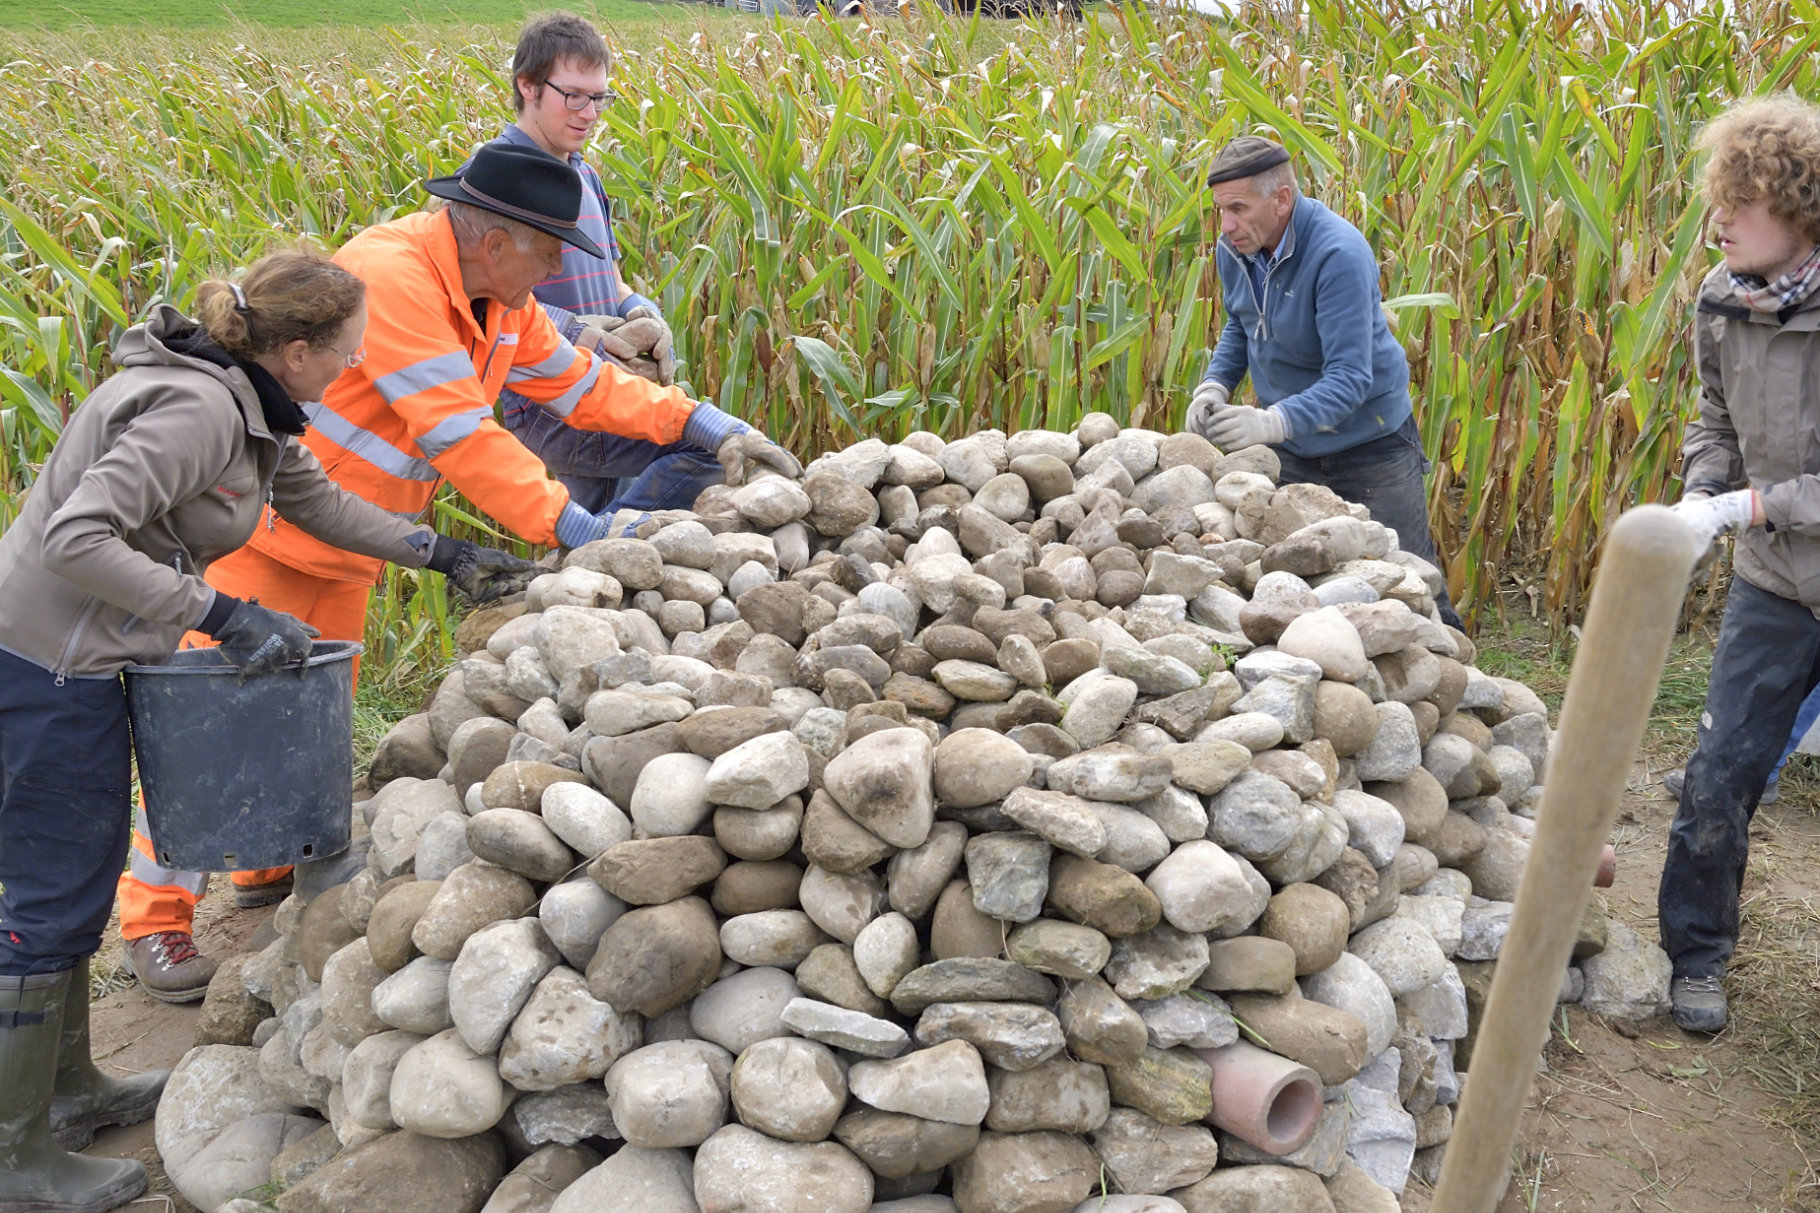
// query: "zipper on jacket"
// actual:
[[62, 671]]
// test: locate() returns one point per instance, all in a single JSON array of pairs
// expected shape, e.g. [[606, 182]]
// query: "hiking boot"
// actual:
[[1672, 782], [36, 1175], [169, 966], [84, 1099], [1699, 1003], [252, 896]]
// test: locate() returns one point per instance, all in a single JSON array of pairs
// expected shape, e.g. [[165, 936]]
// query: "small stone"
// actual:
[[970, 979], [1099, 1025], [978, 766], [656, 958], [898, 1147], [1402, 952], [1157, 963], [1009, 875], [1009, 1035], [583, 818], [564, 1035], [444, 1089], [670, 1095], [1169, 1085], [841, 1028], [946, 1082], [1024, 1173], [632, 1180], [884, 782], [1201, 888], [759, 773], [1629, 979], [1058, 1095], [1249, 964], [789, 1089]]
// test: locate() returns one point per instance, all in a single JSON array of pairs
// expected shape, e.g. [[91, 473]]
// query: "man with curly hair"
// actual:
[[1751, 465]]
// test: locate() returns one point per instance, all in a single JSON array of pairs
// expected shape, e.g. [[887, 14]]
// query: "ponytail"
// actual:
[[294, 294]]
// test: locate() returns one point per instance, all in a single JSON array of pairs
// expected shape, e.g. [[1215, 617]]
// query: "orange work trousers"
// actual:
[[154, 898]]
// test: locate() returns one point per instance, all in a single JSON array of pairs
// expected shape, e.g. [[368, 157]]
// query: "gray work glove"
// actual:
[[662, 346], [1209, 396], [1233, 427], [741, 451], [481, 575], [260, 641]]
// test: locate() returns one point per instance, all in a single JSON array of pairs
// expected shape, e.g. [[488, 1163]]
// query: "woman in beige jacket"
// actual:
[[166, 467]]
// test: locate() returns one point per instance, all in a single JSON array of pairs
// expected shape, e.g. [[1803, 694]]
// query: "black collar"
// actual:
[[282, 414]]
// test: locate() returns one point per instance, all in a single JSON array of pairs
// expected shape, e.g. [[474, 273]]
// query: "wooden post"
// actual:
[[1636, 600]]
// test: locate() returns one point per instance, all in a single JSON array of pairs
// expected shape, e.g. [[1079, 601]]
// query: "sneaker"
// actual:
[[169, 966], [1699, 1003], [1672, 782], [252, 896]]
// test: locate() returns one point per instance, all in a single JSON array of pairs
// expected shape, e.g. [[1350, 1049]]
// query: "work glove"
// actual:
[[481, 575], [1711, 517], [259, 641], [740, 452], [662, 344], [1209, 396], [1233, 427]]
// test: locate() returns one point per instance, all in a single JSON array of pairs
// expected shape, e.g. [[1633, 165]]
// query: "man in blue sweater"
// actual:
[[1300, 286], [559, 86]]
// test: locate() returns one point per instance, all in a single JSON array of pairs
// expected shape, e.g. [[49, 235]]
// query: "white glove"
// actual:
[[1234, 427], [1711, 517], [1209, 396]]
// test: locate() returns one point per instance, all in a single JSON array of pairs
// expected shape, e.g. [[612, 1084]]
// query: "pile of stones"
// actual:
[[921, 836]]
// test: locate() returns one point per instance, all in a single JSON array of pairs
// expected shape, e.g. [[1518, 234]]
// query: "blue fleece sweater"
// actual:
[[1316, 344]]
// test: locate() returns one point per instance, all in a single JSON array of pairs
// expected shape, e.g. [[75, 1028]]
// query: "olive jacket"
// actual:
[[166, 467]]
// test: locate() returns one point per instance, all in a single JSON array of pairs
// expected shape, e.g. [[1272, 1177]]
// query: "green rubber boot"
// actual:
[[84, 1099], [36, 1175]]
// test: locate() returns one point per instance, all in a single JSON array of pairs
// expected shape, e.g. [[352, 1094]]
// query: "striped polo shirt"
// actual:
[[587, 286]]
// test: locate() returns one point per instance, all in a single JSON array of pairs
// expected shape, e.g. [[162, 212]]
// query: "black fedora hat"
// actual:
[[522, 183]]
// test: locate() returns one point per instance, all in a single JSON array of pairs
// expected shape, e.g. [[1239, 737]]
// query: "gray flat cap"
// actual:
[[1246, 156]]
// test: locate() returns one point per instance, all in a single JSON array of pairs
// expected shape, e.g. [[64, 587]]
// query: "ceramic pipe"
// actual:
[[1267, 1101]]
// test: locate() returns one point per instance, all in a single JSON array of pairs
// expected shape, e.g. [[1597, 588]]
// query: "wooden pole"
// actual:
[[1636, 600]]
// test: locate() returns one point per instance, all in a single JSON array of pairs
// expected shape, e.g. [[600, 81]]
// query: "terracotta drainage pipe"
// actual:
[[1264, 1100]]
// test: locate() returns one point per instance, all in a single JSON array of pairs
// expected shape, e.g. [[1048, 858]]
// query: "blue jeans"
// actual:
[[65, 814], [605, 472], [1385, 476], [1765, 668], [1804, 720]]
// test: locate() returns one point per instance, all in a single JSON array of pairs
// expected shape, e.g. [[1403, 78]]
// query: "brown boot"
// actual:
[[252, 896], [169, 966]]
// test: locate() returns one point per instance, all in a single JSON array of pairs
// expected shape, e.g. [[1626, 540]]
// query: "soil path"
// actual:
[[1620, 1119]]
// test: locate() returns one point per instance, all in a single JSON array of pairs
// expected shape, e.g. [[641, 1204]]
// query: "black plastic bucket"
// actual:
[[246, 775]]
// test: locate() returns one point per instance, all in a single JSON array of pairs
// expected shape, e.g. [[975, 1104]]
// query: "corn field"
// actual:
[[929, 222]]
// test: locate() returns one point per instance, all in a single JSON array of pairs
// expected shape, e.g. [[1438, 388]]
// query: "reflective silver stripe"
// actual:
[[421, 376], [555, 364], [368, 445], [149, 871], [450, 430], [565, 404]]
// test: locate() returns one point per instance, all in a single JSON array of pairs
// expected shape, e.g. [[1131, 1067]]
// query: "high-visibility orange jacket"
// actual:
[[420, 408]]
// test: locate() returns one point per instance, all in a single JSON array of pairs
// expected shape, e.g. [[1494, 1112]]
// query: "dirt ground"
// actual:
[[1653, 1120]]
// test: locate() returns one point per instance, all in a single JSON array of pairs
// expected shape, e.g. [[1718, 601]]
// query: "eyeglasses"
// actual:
[[354, 359], [578, 101]]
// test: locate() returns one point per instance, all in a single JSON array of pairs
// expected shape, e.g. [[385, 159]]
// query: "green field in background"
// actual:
[[76, 15]]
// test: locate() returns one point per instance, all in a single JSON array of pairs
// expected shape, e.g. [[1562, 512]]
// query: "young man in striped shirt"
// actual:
[[559, 82]]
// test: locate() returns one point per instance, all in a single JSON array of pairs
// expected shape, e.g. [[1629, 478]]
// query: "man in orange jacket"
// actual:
[[451, 322]]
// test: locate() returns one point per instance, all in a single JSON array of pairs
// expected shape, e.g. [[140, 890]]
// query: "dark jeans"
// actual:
[[605, 472], [1767, 661], [65, 814], [1385, 476]]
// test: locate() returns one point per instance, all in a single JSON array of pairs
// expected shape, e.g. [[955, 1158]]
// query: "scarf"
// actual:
[[1784, 293], [282, 414]]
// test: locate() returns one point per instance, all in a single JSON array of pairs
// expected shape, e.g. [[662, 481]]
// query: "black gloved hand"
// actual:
[[479, 574], [260, 641]]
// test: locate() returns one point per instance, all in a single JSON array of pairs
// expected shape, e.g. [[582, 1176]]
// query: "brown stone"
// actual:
[[653, 959], [651, 871], [750, 887], [394, 917], [1328, 1041], [833, 840], [324, 931], [958, 929], [1104, 897], [711, 734], [615, 762], [1312, 921], [520, 785]]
